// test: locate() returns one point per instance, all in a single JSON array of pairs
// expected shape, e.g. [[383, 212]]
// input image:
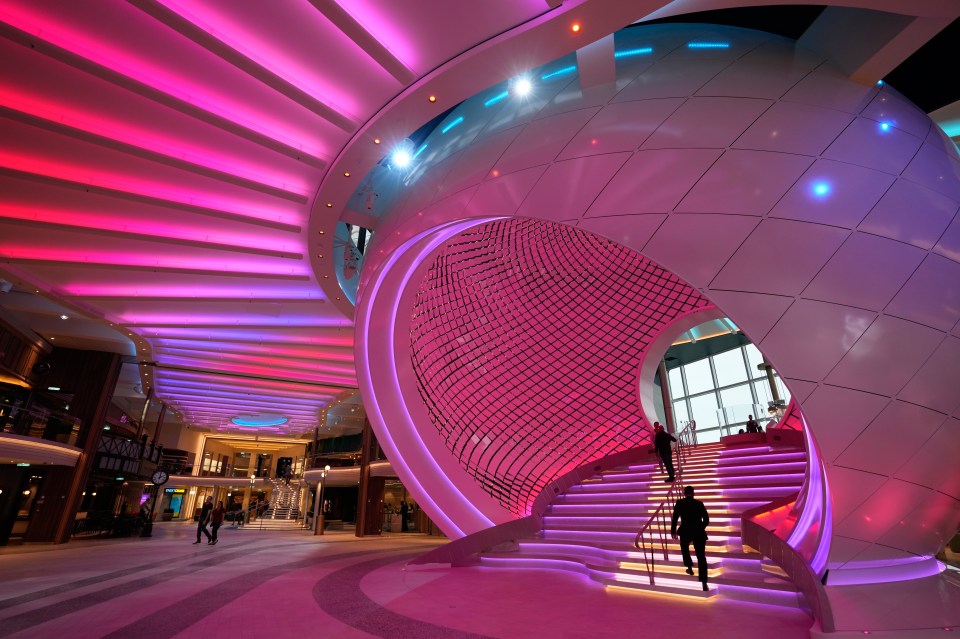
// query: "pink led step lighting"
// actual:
[[584, 529]]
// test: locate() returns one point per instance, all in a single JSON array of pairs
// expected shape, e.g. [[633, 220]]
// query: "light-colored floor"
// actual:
[[265, 585]]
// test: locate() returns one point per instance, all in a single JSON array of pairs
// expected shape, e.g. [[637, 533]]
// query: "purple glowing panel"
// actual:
[[525, 341], [886, 571], [813, 531]]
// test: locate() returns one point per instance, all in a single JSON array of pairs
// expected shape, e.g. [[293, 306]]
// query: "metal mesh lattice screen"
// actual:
[[527, 338]]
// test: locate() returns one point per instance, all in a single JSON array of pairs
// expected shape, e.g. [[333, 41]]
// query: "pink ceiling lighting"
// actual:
[[160, 158], [157, 171]]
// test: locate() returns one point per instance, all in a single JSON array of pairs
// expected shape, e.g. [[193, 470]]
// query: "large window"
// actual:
[[721, 391]]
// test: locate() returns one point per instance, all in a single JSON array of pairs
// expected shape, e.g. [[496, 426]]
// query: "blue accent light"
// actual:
[[421, 149], [627, 53], [880, 83], [821, 189], [555, 74], [455, 122], [708, 45], [951, 128], [884, 127], [259, 420], [500, 97]]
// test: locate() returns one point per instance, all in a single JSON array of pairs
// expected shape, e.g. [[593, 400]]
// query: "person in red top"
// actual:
[[216, 517]]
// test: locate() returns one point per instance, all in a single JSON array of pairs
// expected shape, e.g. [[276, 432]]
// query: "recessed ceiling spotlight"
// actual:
[[575, 27], [401, 158], [329, 205], [64, 317], [322, 231], [376, 140], [821, 188], [346, 174], [432, 98], [522, 86]]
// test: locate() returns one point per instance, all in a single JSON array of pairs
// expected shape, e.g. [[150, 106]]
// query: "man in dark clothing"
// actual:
[[693, 528], [661, 441], [204, 520], [752, 425]]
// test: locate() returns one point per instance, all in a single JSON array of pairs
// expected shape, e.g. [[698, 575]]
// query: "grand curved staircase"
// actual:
[[591, 528], [283, 510]]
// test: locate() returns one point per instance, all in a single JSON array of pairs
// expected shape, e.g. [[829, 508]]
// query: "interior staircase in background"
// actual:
[[283, 510], [591, 528]]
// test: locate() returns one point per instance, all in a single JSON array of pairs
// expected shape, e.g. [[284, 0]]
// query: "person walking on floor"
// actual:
[[216, 517], [752, 425], [204, 518], [403, 516], [661, 441], [693, 529]]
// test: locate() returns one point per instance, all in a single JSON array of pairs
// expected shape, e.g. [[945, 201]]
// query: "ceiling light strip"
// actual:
[[232, 53], [191, 204], [351, 28], [104, 68], [114, 142]]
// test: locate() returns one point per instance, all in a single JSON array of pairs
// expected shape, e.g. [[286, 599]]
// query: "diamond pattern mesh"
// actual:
[[527, 338]]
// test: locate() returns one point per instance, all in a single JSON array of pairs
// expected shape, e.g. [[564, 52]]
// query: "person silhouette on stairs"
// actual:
[[693, 529], [661, 441]]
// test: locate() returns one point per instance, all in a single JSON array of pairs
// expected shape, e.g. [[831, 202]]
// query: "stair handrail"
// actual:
[[770, 545], [686, 439]]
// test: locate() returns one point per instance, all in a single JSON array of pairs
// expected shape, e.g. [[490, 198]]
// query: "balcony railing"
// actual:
[[126, 456]]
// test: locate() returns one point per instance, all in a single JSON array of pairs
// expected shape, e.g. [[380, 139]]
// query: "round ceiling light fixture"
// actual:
[[259, 420]]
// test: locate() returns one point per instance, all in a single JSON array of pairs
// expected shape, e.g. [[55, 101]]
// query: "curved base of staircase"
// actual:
[[590, 528]]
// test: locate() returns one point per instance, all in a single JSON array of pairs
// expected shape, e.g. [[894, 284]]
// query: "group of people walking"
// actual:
[[689, 512], [210, 515]]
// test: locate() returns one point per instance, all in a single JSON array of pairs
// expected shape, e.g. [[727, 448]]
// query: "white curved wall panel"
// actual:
[[820, 215]]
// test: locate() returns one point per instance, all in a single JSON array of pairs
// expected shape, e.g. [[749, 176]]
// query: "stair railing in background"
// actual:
[[663, 515], [687, 440]]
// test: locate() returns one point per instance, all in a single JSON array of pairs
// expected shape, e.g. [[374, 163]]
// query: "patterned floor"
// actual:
[[268, 584]]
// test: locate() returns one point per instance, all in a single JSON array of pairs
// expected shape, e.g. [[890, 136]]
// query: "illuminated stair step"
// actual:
[[706, 479], [618, 520], [640, 510], [609, 578], [628, 497], [702, 489], [628, 552], [672, 568], [662, 581], [630, 526]]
